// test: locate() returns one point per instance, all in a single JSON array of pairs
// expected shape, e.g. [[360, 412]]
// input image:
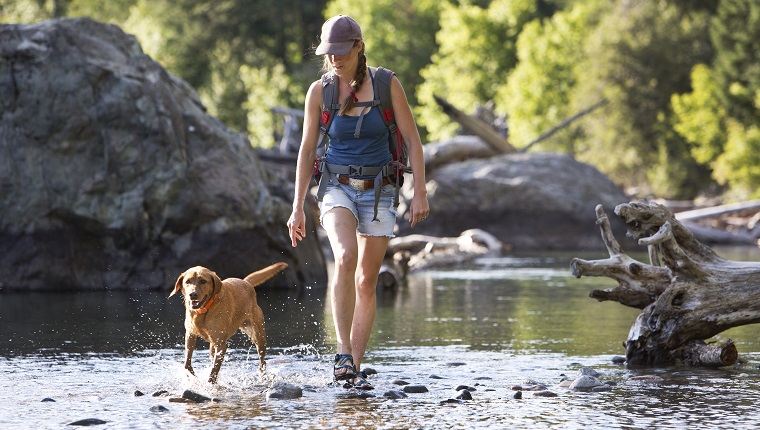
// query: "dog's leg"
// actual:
[[218, 348], [190, 341], [255, 331]]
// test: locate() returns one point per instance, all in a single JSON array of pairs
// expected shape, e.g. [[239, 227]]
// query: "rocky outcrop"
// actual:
[[113, 176], [534, 201]]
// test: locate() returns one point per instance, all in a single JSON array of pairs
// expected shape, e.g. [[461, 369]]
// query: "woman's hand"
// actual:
[[297, 226], [419, 209]]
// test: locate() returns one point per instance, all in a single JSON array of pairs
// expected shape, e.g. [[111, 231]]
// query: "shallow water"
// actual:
[[489, 326]]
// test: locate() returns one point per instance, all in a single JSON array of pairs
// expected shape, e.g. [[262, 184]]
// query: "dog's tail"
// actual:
[[265, 274]]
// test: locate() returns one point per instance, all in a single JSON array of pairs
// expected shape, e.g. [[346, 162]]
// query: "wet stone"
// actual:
[[395, 395], [159, 408], [369, 371], [587, 371], [464, 395], [483, 378], [284, 391], [465, 387], [139, 393], [416, 389], [601, 388], [88, 422], [449, 401], [436, 377], [518, 395], [195, 397], [456, 364], [399, 382], [618, 359], [160, 393], [545, 393], [47, 399], [585, 383]]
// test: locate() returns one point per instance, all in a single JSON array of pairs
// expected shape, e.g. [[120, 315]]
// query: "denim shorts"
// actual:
[[362, 205]]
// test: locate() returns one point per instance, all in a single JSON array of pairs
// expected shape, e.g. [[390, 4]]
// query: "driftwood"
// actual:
[[416, 252], [687, 292], [476, 126]]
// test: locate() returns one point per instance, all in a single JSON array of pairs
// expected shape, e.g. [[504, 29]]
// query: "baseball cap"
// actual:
[[338, 35]]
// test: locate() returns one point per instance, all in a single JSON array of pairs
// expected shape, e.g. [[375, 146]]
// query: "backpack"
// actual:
[[394, 170]]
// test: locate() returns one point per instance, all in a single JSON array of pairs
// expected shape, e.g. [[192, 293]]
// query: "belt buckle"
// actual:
[[357, 184]]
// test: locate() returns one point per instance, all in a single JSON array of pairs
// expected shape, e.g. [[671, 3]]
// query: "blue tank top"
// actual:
[[369, 149]]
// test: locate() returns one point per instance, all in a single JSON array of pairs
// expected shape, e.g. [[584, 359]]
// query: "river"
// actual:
[[489, 326]]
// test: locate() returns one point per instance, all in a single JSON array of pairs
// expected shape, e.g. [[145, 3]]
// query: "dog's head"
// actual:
[[197, 285]]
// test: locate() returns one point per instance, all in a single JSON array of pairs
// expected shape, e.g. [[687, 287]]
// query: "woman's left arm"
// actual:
[[419, 208]]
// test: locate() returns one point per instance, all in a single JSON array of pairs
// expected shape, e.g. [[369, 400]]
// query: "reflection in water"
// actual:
[[489, 327]]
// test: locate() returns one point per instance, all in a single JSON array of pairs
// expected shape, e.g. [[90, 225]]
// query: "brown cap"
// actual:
[[338, 35]]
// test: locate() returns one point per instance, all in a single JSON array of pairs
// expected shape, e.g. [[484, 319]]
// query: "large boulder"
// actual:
[[113, 176], [533, 201]]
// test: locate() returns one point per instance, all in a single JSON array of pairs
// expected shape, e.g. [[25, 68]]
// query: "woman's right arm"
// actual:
[[305, 165]]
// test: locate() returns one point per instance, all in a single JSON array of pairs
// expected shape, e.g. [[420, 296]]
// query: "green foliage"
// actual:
[[538, 92], [637, 58], [476, 52], [399, 34], [719, 116]]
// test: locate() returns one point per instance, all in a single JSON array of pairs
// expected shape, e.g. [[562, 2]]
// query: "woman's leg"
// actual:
[[340, 225], [371, 254]]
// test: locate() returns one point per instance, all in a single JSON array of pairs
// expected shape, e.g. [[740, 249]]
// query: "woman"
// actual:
[[347, 211]]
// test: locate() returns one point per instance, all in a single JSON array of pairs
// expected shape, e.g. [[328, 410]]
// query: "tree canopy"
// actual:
[[680, 78]]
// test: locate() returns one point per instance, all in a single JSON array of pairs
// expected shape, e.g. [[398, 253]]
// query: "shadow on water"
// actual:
[[489, 326]]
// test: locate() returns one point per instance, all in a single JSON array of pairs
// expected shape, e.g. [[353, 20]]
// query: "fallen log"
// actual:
[[687, 292], [419, 252], [476, 126]]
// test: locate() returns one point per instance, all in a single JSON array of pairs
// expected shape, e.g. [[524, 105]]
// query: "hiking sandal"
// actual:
[[359, 382], [344, 367]]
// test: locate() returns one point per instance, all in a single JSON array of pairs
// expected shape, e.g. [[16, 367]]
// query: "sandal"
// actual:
[[344, 367], [359, 382]]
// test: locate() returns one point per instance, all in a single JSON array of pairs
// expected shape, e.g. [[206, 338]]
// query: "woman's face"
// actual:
[[344, 62]]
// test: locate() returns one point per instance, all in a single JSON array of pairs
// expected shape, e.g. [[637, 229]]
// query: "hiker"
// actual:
[[357, 208]]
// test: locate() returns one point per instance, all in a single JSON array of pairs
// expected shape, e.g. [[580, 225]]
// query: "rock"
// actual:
[[160, 393], [138, 393], [395, 395], [456, 364], [465, 387], [159, 408], [646, 378], [436, 377], [518, 395], [369, 371], [284, 391], [601, 388], [88, 422], [585, 383], [449, 401], [195, 397], [618, 359], [544, 393], [588, 371], [113, 175], [416, 389], [464, 395], [527, 200], [399, 382], [47, 399]]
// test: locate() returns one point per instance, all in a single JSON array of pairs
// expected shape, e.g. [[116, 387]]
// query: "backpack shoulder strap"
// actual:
[[383, 79], [330, 104]]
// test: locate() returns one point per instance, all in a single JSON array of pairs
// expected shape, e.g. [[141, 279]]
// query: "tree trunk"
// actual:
[[687, 293]]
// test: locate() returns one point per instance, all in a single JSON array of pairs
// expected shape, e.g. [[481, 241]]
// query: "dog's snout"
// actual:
[[193, 295]]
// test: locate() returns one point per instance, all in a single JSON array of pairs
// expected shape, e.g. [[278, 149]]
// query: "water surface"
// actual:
[[489, 326]]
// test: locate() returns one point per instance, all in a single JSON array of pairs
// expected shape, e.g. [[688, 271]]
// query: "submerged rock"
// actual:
[[88, 422], [585, 383], [416, 389], [464, 395], [195, 397], [395, 395], [284, 391]]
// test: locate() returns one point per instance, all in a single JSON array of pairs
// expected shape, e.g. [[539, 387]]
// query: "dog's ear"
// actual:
[[217, 281], [178, 285]]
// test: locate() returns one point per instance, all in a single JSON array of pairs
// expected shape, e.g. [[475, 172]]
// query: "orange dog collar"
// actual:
[[204, 309]]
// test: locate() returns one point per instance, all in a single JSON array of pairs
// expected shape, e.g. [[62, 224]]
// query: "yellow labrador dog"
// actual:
[[216, 309]]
